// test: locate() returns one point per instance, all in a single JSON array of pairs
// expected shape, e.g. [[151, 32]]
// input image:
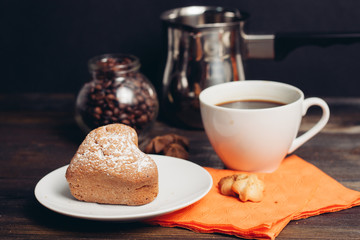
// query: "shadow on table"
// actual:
[[53, 221]]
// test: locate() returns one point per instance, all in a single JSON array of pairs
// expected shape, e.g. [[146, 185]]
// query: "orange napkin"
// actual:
[[296, 190]]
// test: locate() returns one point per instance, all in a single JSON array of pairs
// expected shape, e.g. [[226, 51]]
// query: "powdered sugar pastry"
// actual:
[[109, 150]]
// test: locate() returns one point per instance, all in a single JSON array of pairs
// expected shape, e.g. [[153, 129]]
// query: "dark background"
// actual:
[[45, 45]]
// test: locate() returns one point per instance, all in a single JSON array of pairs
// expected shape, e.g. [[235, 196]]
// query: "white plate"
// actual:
[[181, 183]]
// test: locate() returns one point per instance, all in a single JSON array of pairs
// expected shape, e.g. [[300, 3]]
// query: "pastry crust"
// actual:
[[109, 168]]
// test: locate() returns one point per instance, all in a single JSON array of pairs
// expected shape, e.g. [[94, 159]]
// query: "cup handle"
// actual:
[[314, 101]]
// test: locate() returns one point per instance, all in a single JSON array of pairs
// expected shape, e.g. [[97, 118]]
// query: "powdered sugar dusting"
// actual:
[[111, 149]]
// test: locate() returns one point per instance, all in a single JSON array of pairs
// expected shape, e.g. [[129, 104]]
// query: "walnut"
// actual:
[[158, 143], [170, 145], [247, 186], [176, 150]]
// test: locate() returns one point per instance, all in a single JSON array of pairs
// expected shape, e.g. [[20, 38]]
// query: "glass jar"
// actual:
[[118, 93]]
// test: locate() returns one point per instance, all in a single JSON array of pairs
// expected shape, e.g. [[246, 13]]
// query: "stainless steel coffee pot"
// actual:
[[207, 46]]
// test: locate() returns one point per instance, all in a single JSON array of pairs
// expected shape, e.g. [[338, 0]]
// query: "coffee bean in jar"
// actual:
[[118, 93]]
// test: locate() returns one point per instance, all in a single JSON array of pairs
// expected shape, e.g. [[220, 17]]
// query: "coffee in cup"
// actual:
[[252, 125]]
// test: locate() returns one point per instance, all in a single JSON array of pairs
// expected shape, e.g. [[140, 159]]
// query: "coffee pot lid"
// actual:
[[198, 17]]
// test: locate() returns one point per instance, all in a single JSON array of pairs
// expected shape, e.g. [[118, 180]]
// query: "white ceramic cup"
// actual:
[[257, 140]]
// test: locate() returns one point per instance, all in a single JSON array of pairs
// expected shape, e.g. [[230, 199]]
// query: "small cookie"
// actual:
[[247, 186], [225, 185]]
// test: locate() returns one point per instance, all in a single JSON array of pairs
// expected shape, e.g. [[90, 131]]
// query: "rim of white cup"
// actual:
[[214, 105]]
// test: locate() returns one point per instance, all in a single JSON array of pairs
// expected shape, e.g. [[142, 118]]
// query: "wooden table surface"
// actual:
[[38, 134]]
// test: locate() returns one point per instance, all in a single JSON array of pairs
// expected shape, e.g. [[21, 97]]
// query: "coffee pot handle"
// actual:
[[284, 43], [278, 46], [308, 102]]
